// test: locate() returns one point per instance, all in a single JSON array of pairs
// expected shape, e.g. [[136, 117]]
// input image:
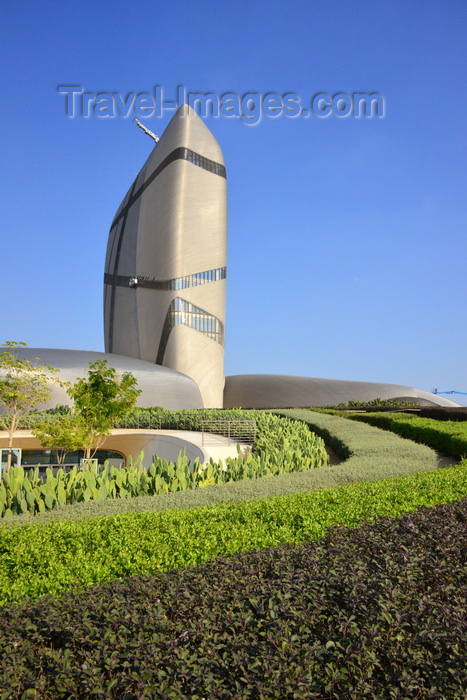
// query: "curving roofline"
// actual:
[[160, 386], [284, 391]]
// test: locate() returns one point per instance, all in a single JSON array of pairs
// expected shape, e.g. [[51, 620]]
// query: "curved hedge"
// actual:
[[52, 557], [449, 437], [371, 453], [375, 612]]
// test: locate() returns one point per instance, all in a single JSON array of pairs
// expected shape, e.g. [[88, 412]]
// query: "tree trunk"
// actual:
[[8, 459], [10, 443]]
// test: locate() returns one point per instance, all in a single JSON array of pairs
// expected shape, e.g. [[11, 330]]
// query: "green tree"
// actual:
[[101, 399], [23, 386], [62, 433]]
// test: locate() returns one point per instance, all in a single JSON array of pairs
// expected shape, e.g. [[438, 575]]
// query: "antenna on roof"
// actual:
[[146, 130]]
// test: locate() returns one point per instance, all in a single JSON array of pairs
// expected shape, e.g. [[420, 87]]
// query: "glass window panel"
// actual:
[[74, 457], [15, 457], [33, 457], [114, 458]]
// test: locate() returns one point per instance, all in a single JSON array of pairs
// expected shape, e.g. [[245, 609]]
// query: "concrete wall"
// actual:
[[164, 444]]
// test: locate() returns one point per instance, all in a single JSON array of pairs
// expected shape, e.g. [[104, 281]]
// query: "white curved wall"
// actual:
[[159, 386]]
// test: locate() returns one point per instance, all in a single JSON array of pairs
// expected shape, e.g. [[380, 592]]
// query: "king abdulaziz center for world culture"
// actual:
[[165, 287]]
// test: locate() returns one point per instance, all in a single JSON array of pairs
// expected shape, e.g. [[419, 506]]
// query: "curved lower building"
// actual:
[[165, 269], [159, 386], [283, 391]]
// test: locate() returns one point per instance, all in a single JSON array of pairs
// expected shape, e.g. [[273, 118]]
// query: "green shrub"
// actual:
[[374, 448], [52, 557], [282, 446], [376, 402], [444, 412], [372, 454], [374, 612], [157, 418], [449, 437]]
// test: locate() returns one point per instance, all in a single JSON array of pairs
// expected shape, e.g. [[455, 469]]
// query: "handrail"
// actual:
[[234, 429]]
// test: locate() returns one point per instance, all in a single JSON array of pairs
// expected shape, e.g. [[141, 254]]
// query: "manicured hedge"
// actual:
[[156, 418], [53, 557], [449, 437], [376, 403], [370, 454], [367, 449], [375, 612], [458, 413]]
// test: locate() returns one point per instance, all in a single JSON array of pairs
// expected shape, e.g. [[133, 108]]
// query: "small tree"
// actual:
[[23, 386], [63, 433], [101, 399]]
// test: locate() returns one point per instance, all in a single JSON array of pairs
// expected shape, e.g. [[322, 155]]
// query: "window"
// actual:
[[15, 458], [195, 280], [48, 458], [184, 313], [34, 457], [174, 285]]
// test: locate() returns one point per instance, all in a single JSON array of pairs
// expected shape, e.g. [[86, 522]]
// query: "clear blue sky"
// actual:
[[347, 246]]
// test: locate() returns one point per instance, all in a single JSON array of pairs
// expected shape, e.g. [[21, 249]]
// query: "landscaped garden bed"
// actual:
[[323, 583], [280, 446], [449, 437], [52, 557], [372, 612], [368, 453]]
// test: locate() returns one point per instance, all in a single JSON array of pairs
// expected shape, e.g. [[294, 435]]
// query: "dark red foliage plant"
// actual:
[[374, 612]]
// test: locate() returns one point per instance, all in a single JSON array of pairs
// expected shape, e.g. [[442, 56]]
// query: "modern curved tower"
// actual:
[[164, 285], [165, 270]]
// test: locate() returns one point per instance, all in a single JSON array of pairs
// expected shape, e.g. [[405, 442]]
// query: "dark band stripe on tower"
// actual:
[[113, 277], [194, 280], [178, 154]]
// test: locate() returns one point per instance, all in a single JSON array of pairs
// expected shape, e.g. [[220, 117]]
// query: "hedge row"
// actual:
[[53, 557], [449, 437], [370, 454], [458, 413], [376, 403], [375, 612], [368, 449], [155, 418]]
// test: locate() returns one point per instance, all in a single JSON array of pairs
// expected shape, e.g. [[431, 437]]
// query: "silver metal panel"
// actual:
[[176, 227], [283, 391], [159, 386]]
